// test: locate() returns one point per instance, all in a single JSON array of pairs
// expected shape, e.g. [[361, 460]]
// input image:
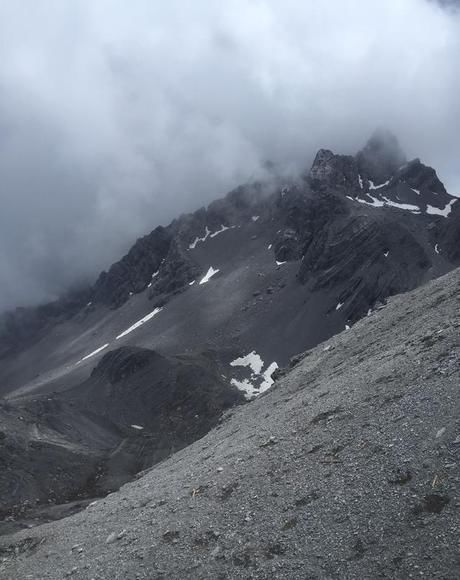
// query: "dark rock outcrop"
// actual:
[[134, 271], [381, 157]]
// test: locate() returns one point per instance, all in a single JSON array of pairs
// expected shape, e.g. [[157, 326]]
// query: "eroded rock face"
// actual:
[[312, 218], [421, 177], [449, 236], [336, 171], [134, 271]]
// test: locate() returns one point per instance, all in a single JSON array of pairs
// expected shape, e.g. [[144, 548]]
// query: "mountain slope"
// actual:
[[347, 468], [337, 237], [213, 303]]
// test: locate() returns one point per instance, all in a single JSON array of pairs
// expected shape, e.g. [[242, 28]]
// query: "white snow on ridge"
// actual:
[[443, 212], [193, 245], [97, 351], [373, 186], [209, 274], [139, 323], [208, 234], [360, 181], [222, 229], [154, 275], [406, 206], [387, 203], [375, 202]]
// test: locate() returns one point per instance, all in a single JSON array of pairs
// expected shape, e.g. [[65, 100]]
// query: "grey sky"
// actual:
[[117, 115]]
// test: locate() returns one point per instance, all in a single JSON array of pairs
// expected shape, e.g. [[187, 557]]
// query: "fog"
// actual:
[[115, 116]]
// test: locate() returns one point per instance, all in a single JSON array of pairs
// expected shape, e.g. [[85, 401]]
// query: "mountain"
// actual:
[[199, 315], [347, 468]]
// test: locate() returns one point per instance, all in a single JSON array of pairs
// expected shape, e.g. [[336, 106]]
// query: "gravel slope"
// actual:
[[347, 468]]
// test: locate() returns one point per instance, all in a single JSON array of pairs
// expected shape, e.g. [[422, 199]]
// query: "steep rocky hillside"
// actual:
[[199, 315], [347, 468]]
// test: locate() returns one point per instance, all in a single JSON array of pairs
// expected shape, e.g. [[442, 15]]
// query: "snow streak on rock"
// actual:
[[442, 212], [207, 233], [98, 350], [139, 323], [209, 274]]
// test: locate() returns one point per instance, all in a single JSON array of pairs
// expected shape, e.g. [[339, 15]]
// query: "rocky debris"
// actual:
[[388, 508]]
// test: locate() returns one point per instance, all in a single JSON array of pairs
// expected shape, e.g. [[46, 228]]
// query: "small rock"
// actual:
[[271, 441]]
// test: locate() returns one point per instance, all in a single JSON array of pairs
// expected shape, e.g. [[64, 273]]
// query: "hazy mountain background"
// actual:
[[115, 117]]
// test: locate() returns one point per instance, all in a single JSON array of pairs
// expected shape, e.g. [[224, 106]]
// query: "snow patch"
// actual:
[[209, 274], [373, 186], [139, 323], [386, 254], [97, 351], [405, 206], [222, 229], [436, 249], [192, 283], [375, 202], [445, 212], [251, 360], [360, 181], [255, 218], [196, 241], [259, 381], [417, 191], [270, 246], [280, 263], [339, 306], [138, 427]]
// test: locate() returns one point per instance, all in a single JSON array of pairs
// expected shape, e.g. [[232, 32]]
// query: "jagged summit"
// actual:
[[380, 176], [200, 314], [381, 157]]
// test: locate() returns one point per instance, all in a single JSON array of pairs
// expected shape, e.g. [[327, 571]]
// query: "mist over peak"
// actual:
[[114, 119]]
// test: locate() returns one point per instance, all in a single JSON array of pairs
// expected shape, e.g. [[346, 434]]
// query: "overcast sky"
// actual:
[[117, 115]]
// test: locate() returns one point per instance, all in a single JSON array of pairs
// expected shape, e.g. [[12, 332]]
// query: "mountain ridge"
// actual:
[[229, 293]]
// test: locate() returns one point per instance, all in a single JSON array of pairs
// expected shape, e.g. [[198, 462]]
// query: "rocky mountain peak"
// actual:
[[381, 157]]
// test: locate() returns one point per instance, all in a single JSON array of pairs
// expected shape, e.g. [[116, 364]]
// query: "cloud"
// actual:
[[115, 116]]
